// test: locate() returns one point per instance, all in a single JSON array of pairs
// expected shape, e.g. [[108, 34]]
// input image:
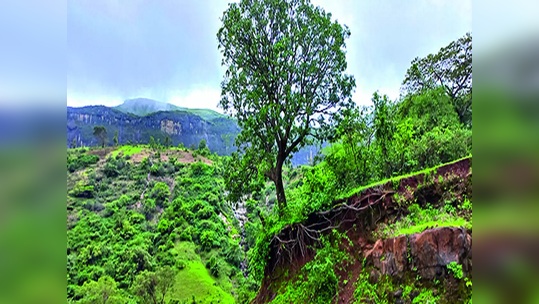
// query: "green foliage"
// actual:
[[202, 144], [365, 290], [152, 143], [456, 269], [116, 236], [419, 219], [77, 161], [160, 193], [100, 132], [111, 168], [82, 190], [277, 112], [115, 138], [317, 282], [167, 141], [105, 290], [451, 69], [153, 286]]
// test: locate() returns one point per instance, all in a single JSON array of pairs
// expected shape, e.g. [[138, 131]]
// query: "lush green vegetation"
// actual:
[[174, 229], [137, 233]]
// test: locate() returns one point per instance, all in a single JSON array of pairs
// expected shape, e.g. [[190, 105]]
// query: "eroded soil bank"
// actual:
[[422, 259]]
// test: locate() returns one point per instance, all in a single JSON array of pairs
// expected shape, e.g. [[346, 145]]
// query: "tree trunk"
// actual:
[[279, 187]]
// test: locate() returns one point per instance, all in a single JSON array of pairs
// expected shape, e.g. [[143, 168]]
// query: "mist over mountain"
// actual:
[[145, 106]]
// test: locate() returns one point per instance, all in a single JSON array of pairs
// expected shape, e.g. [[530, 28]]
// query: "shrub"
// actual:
[[208, 239], [82, 190], [157, 169], [81, 161], [160, 193], [186, 234], [111, 168]]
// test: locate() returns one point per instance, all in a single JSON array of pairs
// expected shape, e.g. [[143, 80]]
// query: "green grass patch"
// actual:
[[396, 178], [419, 220], [459, 222], [194, 280], [127, 150]]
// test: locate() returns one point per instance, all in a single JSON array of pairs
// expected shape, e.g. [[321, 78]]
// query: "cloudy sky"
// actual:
[[167, 50]]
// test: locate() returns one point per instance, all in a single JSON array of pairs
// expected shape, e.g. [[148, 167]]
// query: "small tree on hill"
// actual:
[[74, 143], [202, 144], [153, 145], [115, 138], [100, 132], [167, 142]]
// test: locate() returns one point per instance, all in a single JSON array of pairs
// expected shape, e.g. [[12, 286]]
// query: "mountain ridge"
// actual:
[[187, 127]]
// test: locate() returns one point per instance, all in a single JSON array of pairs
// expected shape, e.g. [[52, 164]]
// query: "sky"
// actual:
[[167, 50]]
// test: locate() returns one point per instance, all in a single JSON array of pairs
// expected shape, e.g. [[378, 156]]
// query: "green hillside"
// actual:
[[135, 213]]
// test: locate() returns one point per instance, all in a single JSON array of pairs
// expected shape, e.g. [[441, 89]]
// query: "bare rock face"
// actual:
[[434, 249], [428, 253], [389, 256]]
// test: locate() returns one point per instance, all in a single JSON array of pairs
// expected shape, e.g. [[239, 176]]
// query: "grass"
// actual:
[[396, 179], [458, 222], [420, 220], [194, 280], [127, 150]]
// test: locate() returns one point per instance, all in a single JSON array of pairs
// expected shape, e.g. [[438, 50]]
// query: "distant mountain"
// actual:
[[138, 119], [180, 126], [145, 106]]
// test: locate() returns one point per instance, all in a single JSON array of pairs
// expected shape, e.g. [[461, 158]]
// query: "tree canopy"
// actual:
[[450, 68], [284, 80], [100, 132]]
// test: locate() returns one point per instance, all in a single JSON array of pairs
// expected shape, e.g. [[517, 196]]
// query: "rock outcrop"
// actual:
[[428, 253]]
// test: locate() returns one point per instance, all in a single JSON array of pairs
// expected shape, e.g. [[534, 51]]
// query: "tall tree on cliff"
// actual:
[[100, 133], [284, 80], [450, 68]]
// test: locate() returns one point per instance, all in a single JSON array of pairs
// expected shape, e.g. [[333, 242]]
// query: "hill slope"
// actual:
[[393, 242], [133, 213]]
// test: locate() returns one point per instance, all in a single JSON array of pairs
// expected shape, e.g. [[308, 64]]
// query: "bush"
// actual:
[[215, 265], [160, 193], [208, 240], [180, 264], [81, 161], [157, 169], [111, 168], [186, 234], [82, 190]]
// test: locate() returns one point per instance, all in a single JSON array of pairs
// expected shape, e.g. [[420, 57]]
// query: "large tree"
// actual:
[[450, 68], [284, 79], [100, 132]]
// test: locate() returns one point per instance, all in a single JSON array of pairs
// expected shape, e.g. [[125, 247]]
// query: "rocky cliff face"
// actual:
[[184, 127], [180, 126]]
